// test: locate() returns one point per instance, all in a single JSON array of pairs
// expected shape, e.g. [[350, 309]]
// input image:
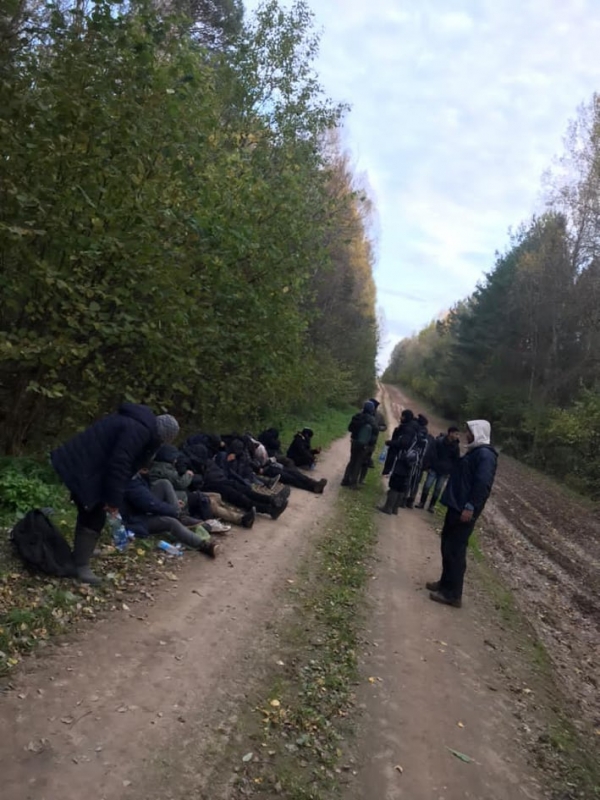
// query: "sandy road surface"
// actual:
[[433, 684], [545, 542], [132, 707]]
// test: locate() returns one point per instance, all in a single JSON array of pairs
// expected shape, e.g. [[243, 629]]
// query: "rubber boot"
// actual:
[[399, 503], [277, 509], [410, 502], [319, 486], [434, 500], [390, 502], [83, 548]]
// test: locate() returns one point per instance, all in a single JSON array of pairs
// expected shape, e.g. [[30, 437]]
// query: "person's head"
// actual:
[[167, 453], [453, 433], [479, 432], [308, 433], [375, 402], [407, 415], [167, 428], [422, 420], [369, 407]]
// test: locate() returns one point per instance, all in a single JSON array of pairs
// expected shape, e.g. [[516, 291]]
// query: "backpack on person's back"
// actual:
[[41, 546]]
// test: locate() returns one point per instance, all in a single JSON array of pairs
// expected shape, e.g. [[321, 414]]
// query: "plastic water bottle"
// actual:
[[120, 535], [383, 454], [170, 549]]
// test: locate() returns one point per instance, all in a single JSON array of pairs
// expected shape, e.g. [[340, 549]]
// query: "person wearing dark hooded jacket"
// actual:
[[301, 451], [97, 464], [442, 455], [145, 514], [381, 426], [465, 496], [400, 461], [362, 427], [421, 447]]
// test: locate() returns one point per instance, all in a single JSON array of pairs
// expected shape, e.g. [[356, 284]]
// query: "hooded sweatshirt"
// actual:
[[472, 477]]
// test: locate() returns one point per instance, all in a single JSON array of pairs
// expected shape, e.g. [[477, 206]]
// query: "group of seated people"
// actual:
[[188, 493]]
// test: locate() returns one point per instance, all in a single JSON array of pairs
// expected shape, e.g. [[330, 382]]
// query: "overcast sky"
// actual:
[[458, 107]]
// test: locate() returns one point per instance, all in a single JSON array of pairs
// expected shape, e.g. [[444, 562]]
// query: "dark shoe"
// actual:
[[390, 502], [431, 509], [248, 519], [420, 505], [344, 483], [410, 503], [438, 597], [319, 486], [433, 586], [277, 510], [209, 548]]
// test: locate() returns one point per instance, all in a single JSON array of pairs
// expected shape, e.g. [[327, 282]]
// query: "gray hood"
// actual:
[[481, 430]]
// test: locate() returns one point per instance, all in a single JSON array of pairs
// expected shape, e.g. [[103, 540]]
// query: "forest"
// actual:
[[180, 223], [524, 349]]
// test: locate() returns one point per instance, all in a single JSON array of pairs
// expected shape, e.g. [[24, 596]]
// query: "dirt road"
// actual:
[[545, 542], [132, 707], [433, 684]]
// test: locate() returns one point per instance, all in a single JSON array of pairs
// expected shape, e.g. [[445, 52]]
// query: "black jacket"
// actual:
[[300, 451], [363, 428], [97, 463], [443, 455], [471, 480], [139, 503], [270, 439], [402, 438]]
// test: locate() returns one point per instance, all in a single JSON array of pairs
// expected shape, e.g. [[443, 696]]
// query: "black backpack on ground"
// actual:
[[42, 546]]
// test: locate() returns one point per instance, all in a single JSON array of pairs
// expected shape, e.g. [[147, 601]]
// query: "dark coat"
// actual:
[[97, 463], [270, 439], [443, 455], [300, 451], [363, 428], [139, 503], [471, 480], [402, 438]]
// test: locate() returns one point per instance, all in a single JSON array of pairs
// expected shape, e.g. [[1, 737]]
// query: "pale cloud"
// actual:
[[458, 106]]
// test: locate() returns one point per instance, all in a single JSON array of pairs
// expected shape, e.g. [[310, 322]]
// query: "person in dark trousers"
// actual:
[[443, 455], [362, 427], [421, 446], [381, 426], [157, 510], [301, 451], [465, 496], [401, 461], [97, 464]]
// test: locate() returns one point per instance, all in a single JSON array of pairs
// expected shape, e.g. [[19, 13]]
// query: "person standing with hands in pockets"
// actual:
[[465, 496], [97, 464]]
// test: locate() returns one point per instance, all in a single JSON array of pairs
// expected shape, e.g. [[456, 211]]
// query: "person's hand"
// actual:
[[111, 510], [180, 503], [231, 457], [190, 472], [467, 515]]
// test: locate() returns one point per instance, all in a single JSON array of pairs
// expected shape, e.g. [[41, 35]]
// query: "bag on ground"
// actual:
[[41, 546]]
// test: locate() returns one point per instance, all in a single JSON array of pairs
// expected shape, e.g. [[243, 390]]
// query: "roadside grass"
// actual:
[[35, 607], [295, 737]]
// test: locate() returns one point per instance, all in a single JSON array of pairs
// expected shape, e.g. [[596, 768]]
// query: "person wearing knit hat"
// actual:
[[97, 464], [167, 428]]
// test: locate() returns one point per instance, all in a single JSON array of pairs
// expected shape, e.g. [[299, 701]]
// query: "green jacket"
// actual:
[[161, 470]]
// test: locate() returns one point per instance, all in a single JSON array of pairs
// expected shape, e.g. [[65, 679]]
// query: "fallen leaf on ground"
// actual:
[[372, 680], [399, 769], [275, 703], [461, 756], [461, 724], [247, 757]]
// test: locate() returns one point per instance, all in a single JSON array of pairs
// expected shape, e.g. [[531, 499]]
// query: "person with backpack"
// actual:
[[465, 496], [424, 440], [442, 455], [362, 427], [381, 426], [97, 464], [401, 461]]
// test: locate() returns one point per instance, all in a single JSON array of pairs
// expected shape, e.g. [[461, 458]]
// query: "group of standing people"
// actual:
[[462, 483]]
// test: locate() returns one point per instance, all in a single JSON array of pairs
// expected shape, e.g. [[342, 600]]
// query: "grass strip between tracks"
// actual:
[[299, 726]]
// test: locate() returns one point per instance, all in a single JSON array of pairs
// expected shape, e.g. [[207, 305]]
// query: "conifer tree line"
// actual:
[[179, 223], [524, 349]]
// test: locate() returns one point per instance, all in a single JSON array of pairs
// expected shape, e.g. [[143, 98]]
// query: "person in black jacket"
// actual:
[[97, 464], [381, 426], [362, 427], [443, 454], [301, 451], [401, 461], [157, 510], [465, 496]]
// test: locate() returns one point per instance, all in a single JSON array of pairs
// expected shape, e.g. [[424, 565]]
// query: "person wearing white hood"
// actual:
[[465, 496]]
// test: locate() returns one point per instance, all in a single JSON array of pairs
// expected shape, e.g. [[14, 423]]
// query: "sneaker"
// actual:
[[438, 597], [216, 526]]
